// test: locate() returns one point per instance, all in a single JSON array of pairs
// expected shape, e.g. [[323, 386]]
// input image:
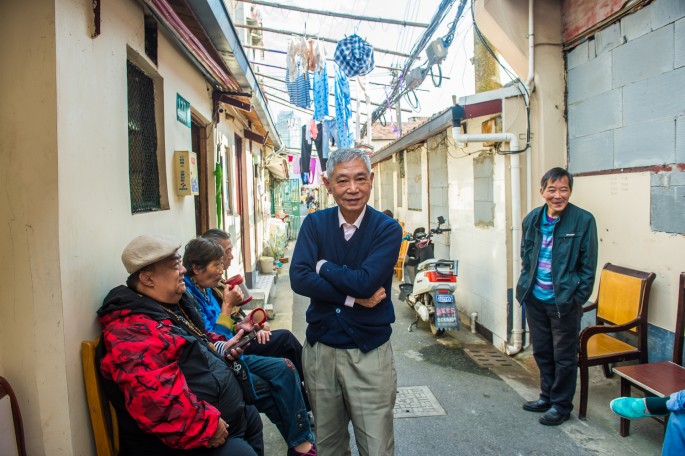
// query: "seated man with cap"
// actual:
[[171, 383]]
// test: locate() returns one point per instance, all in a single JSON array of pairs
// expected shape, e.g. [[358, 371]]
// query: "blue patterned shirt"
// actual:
[[321, 93], [543, 289], [343, 113]]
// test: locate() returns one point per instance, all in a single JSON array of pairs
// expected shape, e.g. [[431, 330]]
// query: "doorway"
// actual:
[[198, 135]]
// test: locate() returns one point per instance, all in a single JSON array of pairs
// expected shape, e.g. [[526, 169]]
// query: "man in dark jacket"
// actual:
[[559, 259], [168, 379]]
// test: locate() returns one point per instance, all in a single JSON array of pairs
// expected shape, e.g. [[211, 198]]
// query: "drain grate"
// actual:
[[416, 401], [489, 357]]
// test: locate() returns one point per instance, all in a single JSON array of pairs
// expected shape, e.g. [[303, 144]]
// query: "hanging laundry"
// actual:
[[320, 93], [298, 89], [311, 58], [313, 131], [342, 109], [314, 174], [306, 151], [297, 57], [330, 130], [318, 141], [354, 56], [320, 55]]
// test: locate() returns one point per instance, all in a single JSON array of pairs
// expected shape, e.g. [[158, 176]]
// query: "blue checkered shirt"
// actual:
[[354, 56]]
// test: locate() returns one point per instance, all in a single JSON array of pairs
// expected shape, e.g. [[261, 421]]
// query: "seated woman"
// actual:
[[276, 382], [280, 343]]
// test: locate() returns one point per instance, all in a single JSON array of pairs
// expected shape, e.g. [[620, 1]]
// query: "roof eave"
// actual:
[[480, 104], [216, 22]]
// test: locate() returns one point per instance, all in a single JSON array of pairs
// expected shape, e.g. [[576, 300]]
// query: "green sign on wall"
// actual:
[[182, 110]]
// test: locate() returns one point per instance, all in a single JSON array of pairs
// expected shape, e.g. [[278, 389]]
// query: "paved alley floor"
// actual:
[[449, 405]]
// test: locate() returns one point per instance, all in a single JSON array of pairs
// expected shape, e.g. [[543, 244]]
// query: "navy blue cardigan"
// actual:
[[357, 268]]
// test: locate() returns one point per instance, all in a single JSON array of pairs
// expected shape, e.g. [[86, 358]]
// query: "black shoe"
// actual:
[[536, 406], [553, 418]]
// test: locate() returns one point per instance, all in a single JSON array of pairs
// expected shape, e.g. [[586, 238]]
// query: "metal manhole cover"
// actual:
[[489, 357], [416, 401]]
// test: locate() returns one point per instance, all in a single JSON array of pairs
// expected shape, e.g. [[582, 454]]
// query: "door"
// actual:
[[198, 135]]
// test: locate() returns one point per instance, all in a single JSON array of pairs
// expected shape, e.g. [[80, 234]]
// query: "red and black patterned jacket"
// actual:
[[168, 386]]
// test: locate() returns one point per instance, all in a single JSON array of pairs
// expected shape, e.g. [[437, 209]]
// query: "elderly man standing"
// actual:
[[170, 381], [559, 259], [343, 261]]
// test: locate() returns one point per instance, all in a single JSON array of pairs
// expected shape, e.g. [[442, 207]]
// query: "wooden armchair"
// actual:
[[661, 378], [102, 415], [621, 307], [12, 442], [399, 266]]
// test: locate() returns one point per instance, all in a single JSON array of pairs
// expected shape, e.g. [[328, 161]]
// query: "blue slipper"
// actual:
[[630, 407]]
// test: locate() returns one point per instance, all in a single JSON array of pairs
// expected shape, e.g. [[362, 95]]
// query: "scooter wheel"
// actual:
[[434, 330]]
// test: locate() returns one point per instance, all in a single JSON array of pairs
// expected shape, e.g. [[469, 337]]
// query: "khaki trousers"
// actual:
[[347, 384]]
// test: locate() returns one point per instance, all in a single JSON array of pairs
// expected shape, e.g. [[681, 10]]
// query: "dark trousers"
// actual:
[[555, 349], [282, 344]]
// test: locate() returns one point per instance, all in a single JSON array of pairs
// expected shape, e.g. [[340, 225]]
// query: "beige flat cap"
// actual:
[[147, 249]]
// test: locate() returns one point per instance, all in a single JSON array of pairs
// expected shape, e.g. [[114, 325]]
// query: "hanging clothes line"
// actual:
[[335, 14], [330, 94], [320, 38], [278, 51], [363, 113], [268, 65]]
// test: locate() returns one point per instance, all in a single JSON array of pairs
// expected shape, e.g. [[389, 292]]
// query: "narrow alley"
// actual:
[[475, 410]]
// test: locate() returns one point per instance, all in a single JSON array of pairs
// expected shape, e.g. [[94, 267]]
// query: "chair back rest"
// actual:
[[623, 294], [680, 323], [403, 247], [12, 441], [102, 415]]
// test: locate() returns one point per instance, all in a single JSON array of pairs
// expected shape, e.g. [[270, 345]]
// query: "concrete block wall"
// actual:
[[626, 101], [438, 190]]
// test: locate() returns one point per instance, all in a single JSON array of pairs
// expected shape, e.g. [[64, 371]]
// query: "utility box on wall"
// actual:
[[185, 173]]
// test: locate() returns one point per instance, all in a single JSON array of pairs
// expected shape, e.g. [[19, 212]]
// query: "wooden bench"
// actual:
[[102, 414], [661, 378]]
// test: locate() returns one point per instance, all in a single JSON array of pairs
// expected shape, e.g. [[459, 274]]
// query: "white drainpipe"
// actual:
[[530, 85], [515, 173]]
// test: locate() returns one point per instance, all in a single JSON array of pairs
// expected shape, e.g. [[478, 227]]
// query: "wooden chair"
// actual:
[[621, 307], [102, 414], [12, 441], [399, 266], [660, 378]]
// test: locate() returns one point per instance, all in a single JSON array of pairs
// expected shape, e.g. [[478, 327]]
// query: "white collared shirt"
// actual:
[[350, 229]]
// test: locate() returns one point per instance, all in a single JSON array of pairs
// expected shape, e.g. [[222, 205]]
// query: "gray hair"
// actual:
[[345, 155]]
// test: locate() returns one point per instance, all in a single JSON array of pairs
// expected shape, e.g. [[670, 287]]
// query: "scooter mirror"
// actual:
[[441, 219]]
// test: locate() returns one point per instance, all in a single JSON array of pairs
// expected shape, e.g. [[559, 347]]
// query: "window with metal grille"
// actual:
[[142, 142]]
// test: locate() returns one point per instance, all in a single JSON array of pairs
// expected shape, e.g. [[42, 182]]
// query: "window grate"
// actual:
[[142, 142]]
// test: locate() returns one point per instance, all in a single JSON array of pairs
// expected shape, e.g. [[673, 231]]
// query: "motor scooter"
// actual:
[[432, 293]]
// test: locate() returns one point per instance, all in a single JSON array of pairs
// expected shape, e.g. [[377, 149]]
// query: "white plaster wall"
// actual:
[[620, 204], [415, 218], [481, 251], [95, 220], [31, 315]]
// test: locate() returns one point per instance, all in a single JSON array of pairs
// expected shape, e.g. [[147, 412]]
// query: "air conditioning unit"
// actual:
[[436, 52]]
